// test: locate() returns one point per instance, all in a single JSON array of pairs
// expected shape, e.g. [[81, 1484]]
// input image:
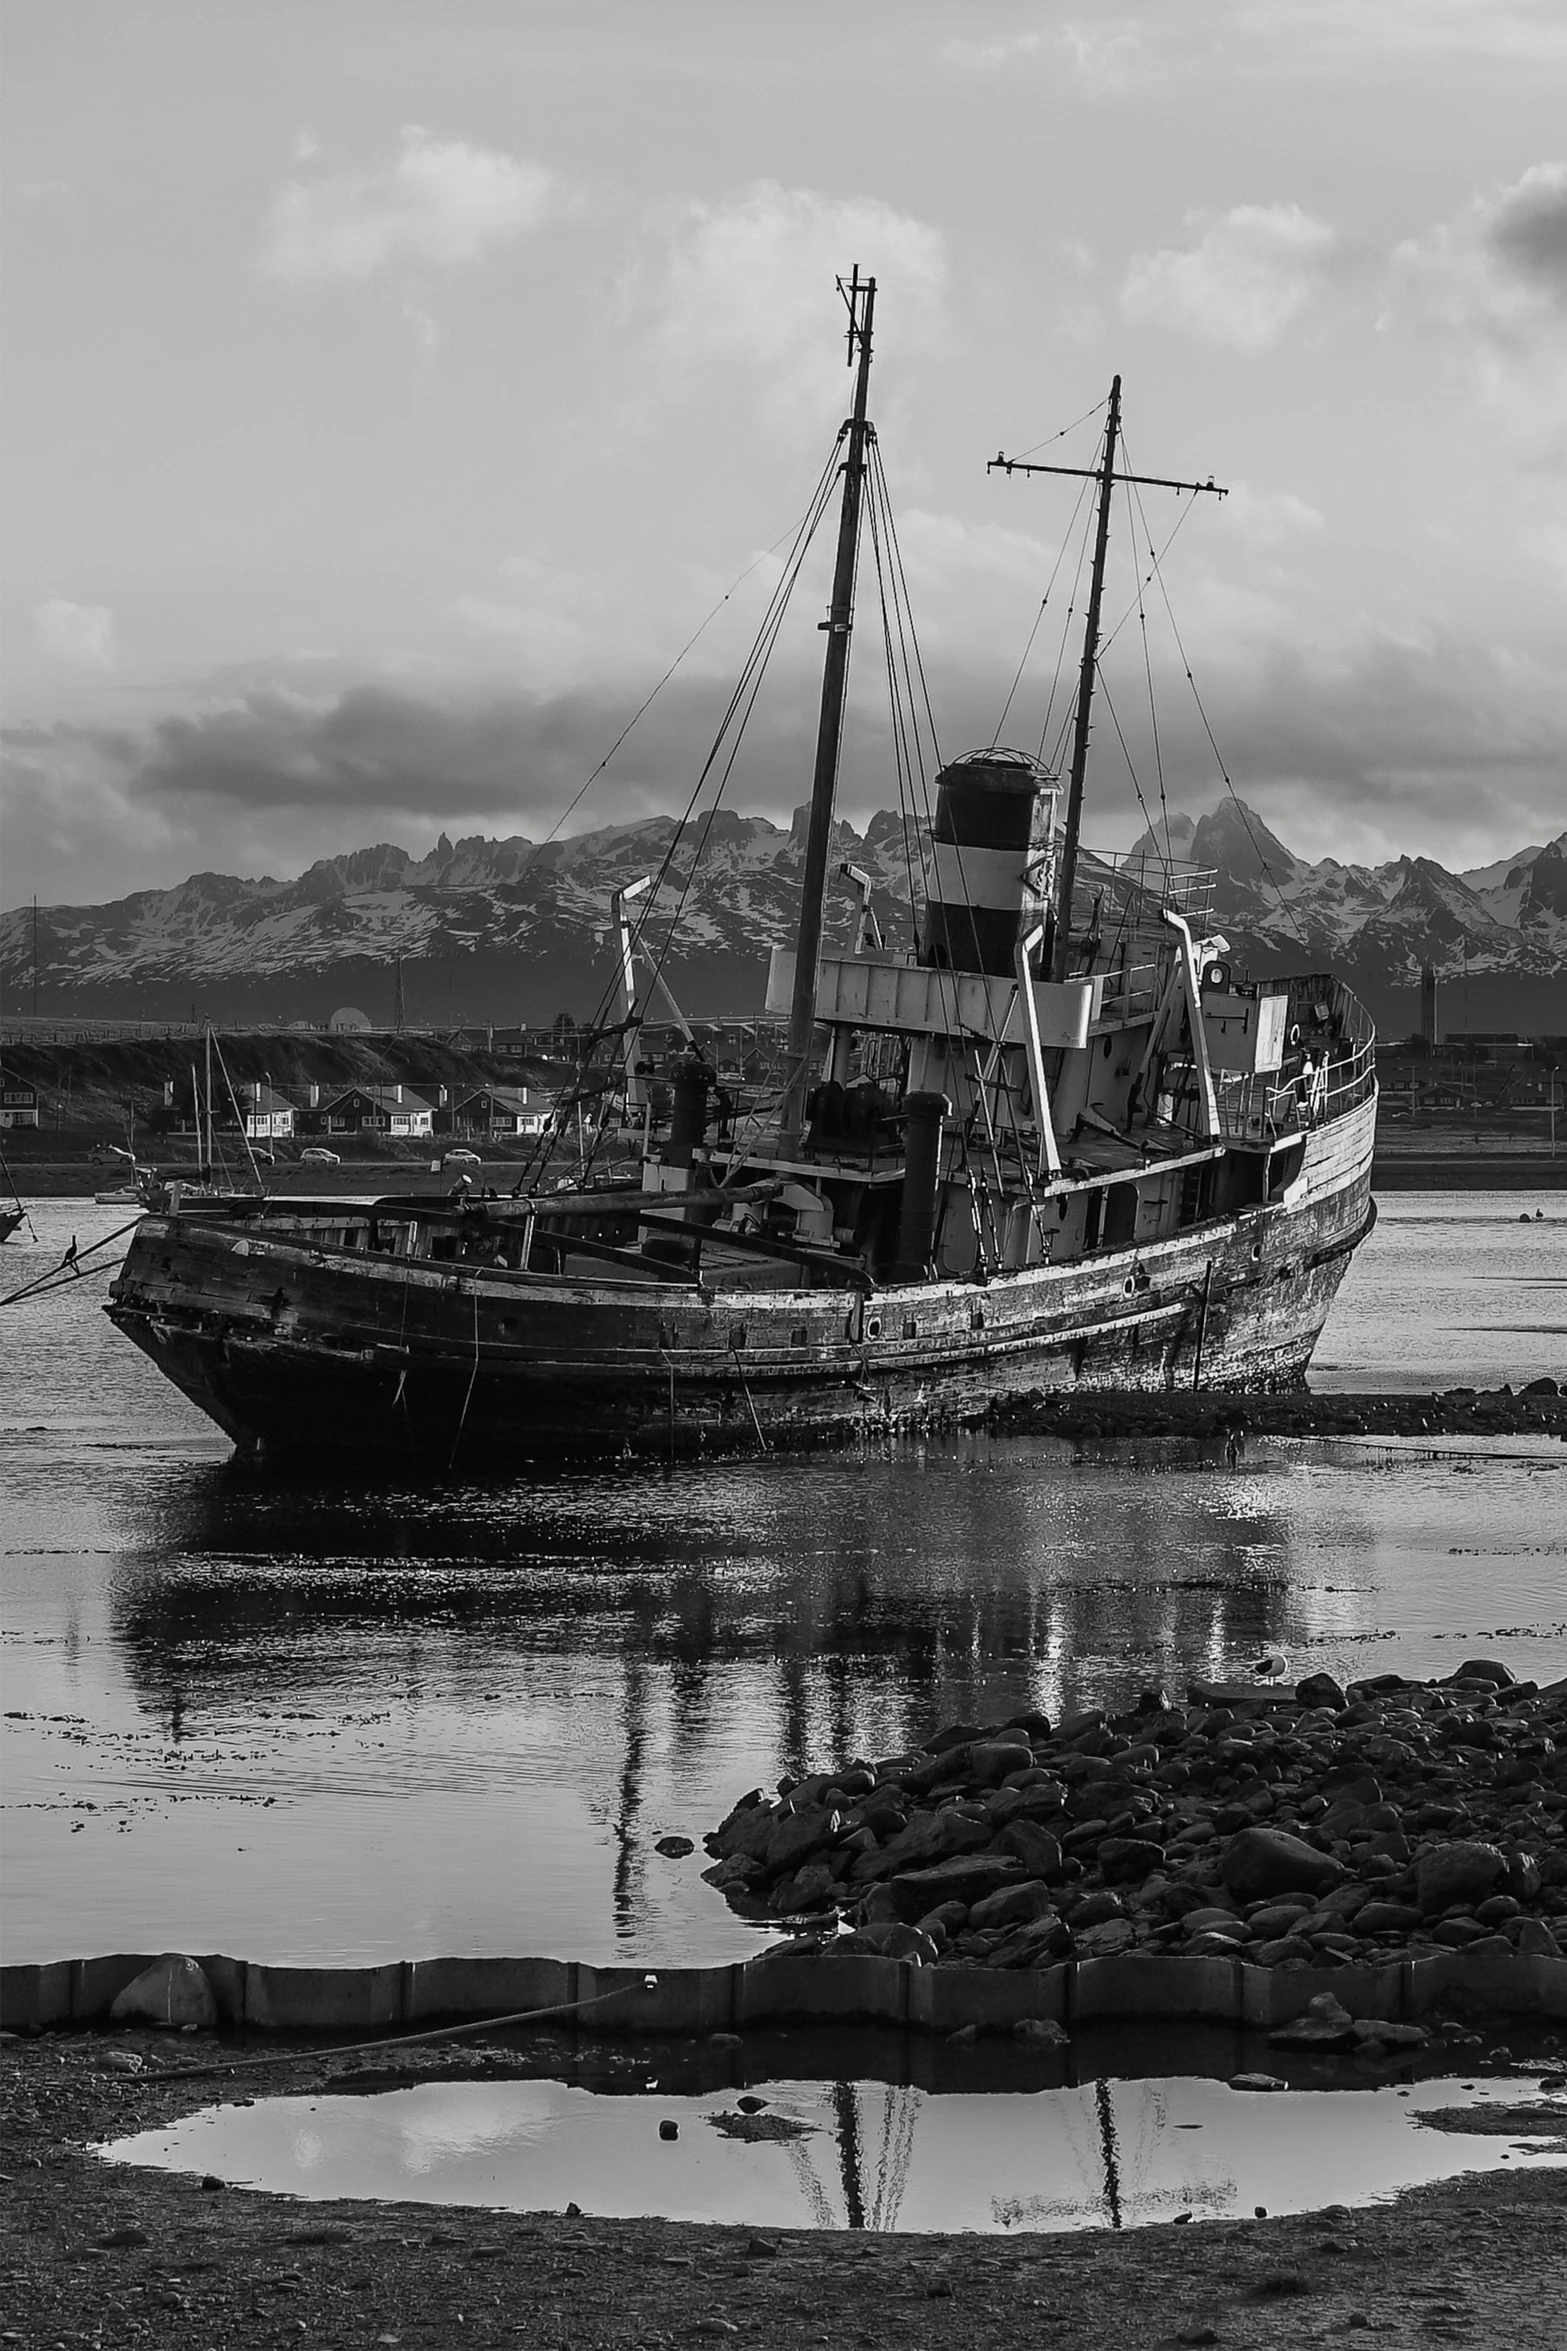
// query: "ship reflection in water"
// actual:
[[862, 2155], [322, 1720]]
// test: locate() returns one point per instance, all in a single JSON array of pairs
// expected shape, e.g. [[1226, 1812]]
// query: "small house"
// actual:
[[498, 1110], [18, 1102], [376, 1110]]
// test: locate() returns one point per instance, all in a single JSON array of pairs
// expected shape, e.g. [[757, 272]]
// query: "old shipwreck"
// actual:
[[1061, 1144]]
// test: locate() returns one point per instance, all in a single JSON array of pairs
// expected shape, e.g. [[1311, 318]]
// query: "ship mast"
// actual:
[[1061, 954], [860, 297], [1105, 475]]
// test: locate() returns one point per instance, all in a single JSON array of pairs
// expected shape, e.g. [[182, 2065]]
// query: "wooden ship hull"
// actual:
[[293, 1346]]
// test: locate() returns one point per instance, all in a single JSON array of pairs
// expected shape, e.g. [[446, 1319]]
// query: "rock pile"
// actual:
[[1323, 1828], [1537, 1409]]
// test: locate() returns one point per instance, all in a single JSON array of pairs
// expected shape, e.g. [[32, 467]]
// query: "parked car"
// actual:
[[462, 1159], [316, 1157]]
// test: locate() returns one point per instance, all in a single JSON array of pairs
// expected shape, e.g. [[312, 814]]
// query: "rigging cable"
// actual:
[[1038, 617], [1287, 911], [740, 705]]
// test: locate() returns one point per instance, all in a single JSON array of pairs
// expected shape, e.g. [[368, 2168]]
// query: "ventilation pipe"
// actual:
[[926, 1115]]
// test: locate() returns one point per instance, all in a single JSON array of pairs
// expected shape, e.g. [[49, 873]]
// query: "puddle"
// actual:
[[864, 2155]]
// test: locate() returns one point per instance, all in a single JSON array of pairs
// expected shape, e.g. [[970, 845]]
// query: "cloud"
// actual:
[[750, 283], [438, 205], [1270, 518], [1102, 55], [990, 56], [1499, 270], [82, 634], [267, 778], [1511, 31], [1526, 231], [1251, 272]]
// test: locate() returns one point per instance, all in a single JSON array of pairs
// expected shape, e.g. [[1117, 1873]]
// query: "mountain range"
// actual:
[[509, 931]]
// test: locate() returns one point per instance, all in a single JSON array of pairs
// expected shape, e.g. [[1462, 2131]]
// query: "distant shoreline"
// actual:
[[1479, 1171], [77, 1179]]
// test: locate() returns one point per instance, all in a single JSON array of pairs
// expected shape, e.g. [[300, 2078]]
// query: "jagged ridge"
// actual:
[[509, 930]]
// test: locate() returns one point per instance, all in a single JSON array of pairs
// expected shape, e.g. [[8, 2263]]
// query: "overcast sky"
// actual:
[[392, 388]]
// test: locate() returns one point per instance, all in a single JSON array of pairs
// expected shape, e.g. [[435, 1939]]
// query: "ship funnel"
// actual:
[[982, 845]]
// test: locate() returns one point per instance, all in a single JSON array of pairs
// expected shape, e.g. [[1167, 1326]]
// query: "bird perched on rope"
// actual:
[[1271, 1666]]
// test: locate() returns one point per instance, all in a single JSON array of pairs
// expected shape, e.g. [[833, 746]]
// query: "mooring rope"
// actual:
[[450, 2032], [70, 1268]]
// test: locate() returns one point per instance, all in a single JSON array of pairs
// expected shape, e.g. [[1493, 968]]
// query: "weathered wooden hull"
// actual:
[[296, 1349]]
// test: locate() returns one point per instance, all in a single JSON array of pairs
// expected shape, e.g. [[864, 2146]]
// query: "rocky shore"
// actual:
[[1313, 1827], [1538, 1409]]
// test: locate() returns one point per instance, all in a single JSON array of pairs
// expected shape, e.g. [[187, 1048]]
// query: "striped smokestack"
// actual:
[[980, 849]]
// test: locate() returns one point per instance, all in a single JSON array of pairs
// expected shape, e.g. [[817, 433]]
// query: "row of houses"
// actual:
[[491, 1112]]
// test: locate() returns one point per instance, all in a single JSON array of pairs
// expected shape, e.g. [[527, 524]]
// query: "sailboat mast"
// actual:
[[1085, 697], [860, 295]]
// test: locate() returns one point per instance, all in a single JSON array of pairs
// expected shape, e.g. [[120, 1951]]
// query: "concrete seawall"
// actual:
[[781, 1986]]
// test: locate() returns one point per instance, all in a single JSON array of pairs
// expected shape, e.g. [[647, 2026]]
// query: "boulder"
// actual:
[[1258, 1862], [734, 1873], [1484, 1669], [1459, 1872], [1214, 1921], [1386, 1918], [1107, 1940], [1128, 1860], [173, 1991], [795, 1834], [890, 1938], [949, 1919], [1095, 1909], [963, 1877], [1320, 1689], [1036, 1848], [1391, 2036], [933, 1836], [1280, 1918], [1280, 1948], [1523, 1879], [1012, 1906], [1033, 1944], [812, 1888], [1041, 2032], [991, 1760], [956, 1734], [1327, 2024]]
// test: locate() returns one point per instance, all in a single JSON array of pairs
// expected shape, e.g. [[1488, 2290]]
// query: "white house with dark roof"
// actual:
[[500, 1110], [370, 1110]]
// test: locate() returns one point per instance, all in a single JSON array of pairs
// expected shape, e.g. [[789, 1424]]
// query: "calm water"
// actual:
[[337, 1718], [863, 2155]]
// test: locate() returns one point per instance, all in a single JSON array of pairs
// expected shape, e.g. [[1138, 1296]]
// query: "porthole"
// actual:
[[976, 1318], [737, 1338], [1129, 1286], [873, 1326], [1256, 1253], [1106, 1048], [799, 1336], [911, 1329]]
